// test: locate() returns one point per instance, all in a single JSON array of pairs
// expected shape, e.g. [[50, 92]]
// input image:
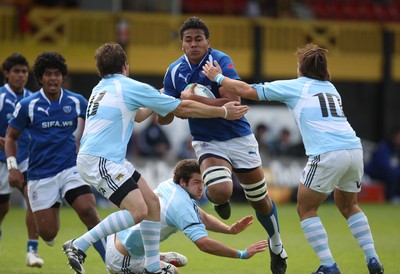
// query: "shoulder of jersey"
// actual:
[[202, 91]]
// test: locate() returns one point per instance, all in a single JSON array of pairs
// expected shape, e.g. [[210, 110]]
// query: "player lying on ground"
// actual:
[[125, 253]]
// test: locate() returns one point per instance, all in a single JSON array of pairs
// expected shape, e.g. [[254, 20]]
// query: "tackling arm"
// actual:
[[214, 224], [229, 111], [237, 87], [208, 245]]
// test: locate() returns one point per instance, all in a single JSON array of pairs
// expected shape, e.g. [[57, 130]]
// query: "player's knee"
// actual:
[[255, 192], [48, 234], [216, 179], [220, 194], [140, 214]]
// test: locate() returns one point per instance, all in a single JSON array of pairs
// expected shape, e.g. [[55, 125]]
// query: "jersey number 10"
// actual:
[[331, 102]]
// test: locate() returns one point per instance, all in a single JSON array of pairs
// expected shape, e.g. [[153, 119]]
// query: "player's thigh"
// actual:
[[308, 199], [250, 176], [47, 222]]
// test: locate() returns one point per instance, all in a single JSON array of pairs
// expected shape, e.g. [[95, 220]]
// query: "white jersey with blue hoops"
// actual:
[[51, 124], [178, 212], [317, 109], [111, 112], [8, 102]]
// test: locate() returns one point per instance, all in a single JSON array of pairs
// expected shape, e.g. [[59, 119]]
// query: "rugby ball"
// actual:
[[201, 91]]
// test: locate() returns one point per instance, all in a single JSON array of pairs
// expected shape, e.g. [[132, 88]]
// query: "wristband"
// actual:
[[242, 254], [12, 163], [219, 78], [226, 112]]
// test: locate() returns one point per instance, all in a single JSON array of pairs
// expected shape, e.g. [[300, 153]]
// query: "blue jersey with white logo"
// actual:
[[8, 102], [317, 109], [111, 113], [181, 73], [51, 124], [178, 212]]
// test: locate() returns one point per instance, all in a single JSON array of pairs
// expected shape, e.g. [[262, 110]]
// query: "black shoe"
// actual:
[[375, 267], [164, 270], [224, 210], [278, 262], [76, 257]]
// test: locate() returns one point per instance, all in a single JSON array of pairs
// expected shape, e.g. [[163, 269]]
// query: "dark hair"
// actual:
[[184, 170], [110, 58], [313, 63], [46, 60], [13, 60], [194, 23]]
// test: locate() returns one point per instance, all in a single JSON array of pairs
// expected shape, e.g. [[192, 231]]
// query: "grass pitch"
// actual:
[[384, 221]]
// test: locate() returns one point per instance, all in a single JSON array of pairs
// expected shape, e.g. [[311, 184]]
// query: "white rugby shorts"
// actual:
[[105, 175], [241, 152], [117, 263], [342, 169], [44, 193], [4, 185]]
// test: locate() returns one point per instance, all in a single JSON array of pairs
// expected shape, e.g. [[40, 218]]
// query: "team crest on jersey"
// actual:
[[67, 109], [119, 176]]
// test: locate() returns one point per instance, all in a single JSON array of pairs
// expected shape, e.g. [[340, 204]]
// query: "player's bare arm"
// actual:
[[15, 177], [216, 225], [208, 245], [229, 111], [237, 87], [2, 141], [189, 94], [142, 114]]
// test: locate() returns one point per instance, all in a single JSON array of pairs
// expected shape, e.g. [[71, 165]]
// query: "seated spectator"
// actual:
[[261, 133], [284, 145], [385, 165], [152, 140]]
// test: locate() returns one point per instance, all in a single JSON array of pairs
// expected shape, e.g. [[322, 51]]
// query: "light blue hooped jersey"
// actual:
[[317, 109], [178, 212], [111, 112]]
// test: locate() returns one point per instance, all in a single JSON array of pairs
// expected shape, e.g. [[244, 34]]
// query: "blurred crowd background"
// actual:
[[261, 36]]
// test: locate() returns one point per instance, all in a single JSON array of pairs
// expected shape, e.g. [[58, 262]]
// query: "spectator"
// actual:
[[284, 145], [261, 133], [153, 140], [385, 165]]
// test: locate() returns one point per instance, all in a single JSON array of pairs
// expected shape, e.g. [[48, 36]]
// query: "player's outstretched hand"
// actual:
[[258, 247], [241, 225], [211, 71], [235, 110]]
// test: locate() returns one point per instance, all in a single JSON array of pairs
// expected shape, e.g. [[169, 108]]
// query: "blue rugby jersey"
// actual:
[[178, 212], [181, 73], [8, 102], [317, 109], [51, 124]]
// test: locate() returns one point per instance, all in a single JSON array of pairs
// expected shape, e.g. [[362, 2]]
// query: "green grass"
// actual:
[[384, 221]]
